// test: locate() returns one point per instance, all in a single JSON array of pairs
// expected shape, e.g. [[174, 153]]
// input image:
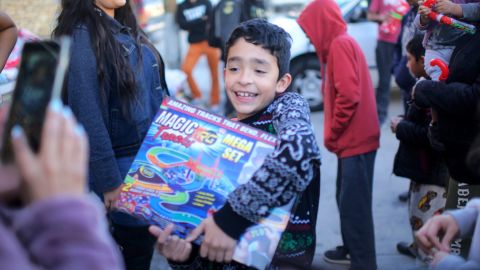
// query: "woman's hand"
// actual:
[[60, 166]]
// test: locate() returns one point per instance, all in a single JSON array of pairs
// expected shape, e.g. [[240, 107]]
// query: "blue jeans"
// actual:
[[130, 233], [384, 58], [354, 201]]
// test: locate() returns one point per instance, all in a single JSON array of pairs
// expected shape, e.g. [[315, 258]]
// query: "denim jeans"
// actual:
[[384, 58], [354, 200], [130, 233]]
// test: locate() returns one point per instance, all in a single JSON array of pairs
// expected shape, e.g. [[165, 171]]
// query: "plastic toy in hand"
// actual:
[[434, 16]]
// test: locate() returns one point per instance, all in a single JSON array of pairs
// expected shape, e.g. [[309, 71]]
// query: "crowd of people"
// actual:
[[116, 82]]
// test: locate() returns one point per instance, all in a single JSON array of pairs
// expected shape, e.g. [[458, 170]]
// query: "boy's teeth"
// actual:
[[245, 94]]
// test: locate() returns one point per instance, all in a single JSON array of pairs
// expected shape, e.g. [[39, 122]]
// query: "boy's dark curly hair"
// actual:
[[267, 35], [415, 46]]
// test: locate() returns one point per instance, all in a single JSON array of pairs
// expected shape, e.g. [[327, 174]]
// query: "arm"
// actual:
[[452, 99], [59, 228], [466, 219], [470, 12], [412, 133], [449, 8], [8, 37], [347, 89], [85, 100], [284, 174], [67, 233]]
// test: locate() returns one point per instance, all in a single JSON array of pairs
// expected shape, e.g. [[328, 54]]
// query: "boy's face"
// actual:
[[251, 78], [415, 66]]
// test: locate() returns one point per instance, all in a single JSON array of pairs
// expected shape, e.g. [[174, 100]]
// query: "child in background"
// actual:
[[256, 78], [351, 129], [193, 16], [440, 41], [415, 158]]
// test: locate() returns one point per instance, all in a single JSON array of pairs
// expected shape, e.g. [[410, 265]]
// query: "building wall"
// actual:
[[38, 16]]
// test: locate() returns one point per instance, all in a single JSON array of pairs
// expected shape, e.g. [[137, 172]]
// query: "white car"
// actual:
[[304, 65]]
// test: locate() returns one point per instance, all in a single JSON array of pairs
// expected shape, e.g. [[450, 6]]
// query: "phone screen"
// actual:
[[32, 93]]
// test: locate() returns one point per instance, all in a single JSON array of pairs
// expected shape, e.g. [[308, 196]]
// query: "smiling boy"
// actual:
[[256, 80]]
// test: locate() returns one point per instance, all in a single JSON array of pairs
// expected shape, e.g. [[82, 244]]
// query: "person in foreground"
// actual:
[[256, 79], [46, 219], [437, 234]]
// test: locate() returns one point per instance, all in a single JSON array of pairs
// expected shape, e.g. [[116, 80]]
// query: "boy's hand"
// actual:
[[448, 8], [171, 246], [216, 246], [60, 166]]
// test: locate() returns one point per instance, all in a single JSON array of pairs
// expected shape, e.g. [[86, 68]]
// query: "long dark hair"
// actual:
[[107, 50]]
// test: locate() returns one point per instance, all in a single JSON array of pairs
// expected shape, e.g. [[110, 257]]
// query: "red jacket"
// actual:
[[351, 123]]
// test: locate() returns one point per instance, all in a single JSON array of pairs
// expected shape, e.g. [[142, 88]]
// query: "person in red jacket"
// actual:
[[351, 129]]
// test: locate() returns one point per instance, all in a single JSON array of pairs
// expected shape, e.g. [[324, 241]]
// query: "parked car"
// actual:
[[304, 65]]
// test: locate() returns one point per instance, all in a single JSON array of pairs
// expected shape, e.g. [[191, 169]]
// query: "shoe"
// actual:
[[339, 255], [407, 249], [403, 197]]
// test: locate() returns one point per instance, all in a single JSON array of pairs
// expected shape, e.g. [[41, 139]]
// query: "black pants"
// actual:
[[136, 244]]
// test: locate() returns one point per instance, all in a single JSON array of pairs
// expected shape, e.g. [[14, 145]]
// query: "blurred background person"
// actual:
[[192, 16], [386, 13]]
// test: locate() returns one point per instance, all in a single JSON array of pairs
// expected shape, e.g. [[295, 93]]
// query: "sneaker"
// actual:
[[407, 249], [339, 255]]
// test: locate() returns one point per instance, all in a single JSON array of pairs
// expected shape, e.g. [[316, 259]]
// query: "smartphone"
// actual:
[[40, 79]]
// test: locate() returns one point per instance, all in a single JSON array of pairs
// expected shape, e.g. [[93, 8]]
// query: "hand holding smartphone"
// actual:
[[40, 79]]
